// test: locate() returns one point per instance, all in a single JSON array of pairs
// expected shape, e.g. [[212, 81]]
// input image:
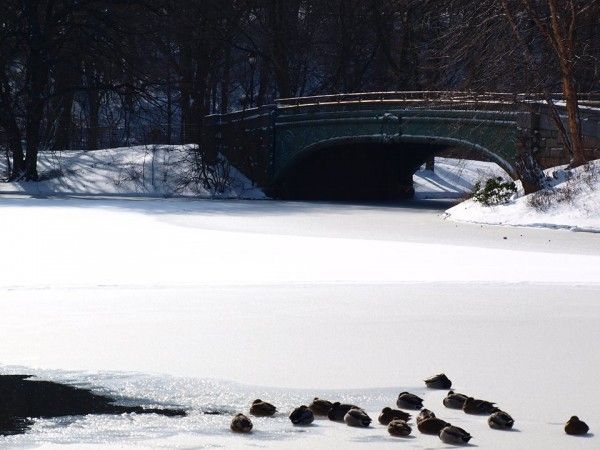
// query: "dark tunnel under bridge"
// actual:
[[354, 170]]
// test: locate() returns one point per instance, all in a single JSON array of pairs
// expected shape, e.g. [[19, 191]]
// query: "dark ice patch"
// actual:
[[23, 399]]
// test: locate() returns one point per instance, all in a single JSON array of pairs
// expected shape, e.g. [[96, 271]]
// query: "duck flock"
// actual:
[[396, 420]]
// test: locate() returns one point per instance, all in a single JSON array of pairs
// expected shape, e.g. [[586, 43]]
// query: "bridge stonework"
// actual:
[[272, 143]]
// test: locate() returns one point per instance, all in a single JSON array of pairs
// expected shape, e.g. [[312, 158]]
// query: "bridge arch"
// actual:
[[364, 166]]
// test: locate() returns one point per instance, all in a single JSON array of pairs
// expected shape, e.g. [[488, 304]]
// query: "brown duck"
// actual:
[[576, 427], [338, 411], [454, 436], [454, 400], [240, 424], [425, 414], [400, 428], [500, 421], [440, 381], [302, 416], [320, 407], [476, 406], [407, 400], [389, 414], [356, 417], [432, 425], [260, 408]]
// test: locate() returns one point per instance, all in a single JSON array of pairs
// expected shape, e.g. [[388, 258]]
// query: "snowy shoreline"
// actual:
[[570, 202], [167, 172]]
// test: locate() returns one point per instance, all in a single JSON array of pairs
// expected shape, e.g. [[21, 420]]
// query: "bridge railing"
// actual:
[[424, 98]]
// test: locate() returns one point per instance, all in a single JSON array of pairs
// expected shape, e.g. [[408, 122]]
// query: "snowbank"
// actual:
[[572, 201], [152, 170]]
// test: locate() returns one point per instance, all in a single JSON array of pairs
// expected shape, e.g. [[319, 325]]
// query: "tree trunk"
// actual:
[[225, 82], [572, 104], [169, 111], [62, 140], [277, 16], [528, 170], [94, 120], [263, 83], [36, 84], [13, 138], [564, 39]]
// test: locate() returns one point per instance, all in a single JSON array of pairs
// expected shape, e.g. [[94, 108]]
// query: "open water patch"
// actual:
[[26, 398]]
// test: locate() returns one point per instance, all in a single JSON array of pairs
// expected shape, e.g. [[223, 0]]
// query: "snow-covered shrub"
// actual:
[[543, 200], [495, 191]]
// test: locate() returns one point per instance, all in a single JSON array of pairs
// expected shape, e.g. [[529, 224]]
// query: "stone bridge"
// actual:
[[370, 145]]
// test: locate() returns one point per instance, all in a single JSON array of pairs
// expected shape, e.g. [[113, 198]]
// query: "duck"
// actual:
[[338, 411], [399, 427], [240, 424], [576, 427], [454, 435], [320, 407], [476, 406], [407, 400], [302, 416], [440, 381], [356, 417], [501, 421], [389, 414], [432, 425], [454, 400], [260, 408], [425, 414]]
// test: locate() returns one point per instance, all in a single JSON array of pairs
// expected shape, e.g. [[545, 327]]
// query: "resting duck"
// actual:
[[320, 407], [440, 381], [260, 408], [454, 436], [407, 400], [476, 406], [389, 414], [500, 421], [398, 427], [576, 427], [356, 417], [240, 424], [425, 414], [338, 411], [432, 425], [455, 400], [302, 416]]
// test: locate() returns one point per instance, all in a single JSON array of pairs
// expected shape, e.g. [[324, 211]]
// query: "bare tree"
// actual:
[[557, 24]]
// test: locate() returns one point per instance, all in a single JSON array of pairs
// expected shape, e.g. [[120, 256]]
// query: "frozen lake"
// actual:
[[210, 304]]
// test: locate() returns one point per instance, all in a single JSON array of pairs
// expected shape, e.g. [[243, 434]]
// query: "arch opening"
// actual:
[[354, 170]]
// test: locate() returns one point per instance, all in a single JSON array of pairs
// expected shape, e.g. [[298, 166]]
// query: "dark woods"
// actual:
[[91, 73]]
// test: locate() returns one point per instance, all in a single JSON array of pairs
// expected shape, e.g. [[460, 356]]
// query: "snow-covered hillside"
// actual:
[[153, 170], [571, 201]]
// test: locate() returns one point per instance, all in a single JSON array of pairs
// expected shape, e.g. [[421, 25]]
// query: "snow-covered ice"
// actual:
[[209, 304]]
